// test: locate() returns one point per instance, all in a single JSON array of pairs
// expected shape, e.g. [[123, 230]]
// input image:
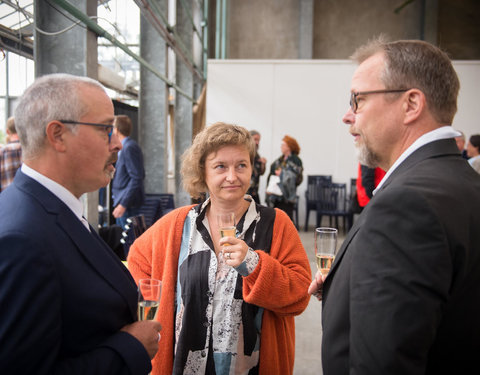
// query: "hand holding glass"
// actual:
[[149, 291], [325, 248]]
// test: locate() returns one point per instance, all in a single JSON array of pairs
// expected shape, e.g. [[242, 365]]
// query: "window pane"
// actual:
[[20, 74]]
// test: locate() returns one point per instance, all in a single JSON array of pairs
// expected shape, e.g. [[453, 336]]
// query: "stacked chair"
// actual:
[[154, 207], [334, 202], [312, 194]]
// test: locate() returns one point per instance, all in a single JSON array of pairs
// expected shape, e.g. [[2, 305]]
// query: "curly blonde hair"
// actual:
[[209, 140]]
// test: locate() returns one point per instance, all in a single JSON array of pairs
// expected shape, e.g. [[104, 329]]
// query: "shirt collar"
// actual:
[[434, 135], [61, 192]]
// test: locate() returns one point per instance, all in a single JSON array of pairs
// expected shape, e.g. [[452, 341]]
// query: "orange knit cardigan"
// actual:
[[278, 284]]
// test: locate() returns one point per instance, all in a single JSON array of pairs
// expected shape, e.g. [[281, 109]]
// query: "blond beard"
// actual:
[[110, 174], [366, 156]]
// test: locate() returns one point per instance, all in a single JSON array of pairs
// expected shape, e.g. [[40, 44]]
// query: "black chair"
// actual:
[[334, 202], [151, 209], [167, 202], [112, 235], [133, 229], [311, 194]]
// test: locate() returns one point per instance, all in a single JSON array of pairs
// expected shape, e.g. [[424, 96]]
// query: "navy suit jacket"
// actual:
[[64, 295], [403, 294], [127, 184]]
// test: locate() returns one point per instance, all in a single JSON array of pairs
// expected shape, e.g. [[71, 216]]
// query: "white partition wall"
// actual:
[[306, 99]]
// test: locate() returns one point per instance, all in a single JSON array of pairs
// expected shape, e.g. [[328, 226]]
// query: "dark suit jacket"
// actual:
[[127, 185], [403, 295], [64, 295]]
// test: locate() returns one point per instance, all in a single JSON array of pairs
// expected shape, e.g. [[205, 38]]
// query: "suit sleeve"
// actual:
[[280, 281], [133, 159], [31, 326], [400, 278]]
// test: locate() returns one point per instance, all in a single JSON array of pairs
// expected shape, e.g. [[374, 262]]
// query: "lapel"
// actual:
[[442, 147], [89, 244], [433, 149], [351, 233]]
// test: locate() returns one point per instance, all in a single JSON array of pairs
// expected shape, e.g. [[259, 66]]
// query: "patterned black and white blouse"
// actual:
[[216, 332]]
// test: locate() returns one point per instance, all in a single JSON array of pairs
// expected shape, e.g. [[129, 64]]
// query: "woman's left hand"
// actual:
[[234, 250]]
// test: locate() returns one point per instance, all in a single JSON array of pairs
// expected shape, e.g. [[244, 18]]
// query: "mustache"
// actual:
[[113, 158]]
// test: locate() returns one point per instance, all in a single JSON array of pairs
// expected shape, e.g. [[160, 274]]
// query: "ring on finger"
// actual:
[[227, 255]]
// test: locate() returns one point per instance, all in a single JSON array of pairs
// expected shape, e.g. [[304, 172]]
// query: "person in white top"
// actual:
[[403, 294]]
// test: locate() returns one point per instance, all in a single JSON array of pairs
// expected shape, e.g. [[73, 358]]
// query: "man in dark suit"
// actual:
[[403, 294], [127, 185], [67, 304]]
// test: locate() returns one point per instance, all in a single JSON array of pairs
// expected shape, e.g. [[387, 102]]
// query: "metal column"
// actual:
[[183, 106], [153, 107], [306, 29]]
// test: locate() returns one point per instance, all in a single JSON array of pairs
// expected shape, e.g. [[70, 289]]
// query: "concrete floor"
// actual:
[[308, 325]]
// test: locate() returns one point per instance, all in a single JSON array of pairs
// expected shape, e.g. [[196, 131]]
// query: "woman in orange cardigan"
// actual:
[[227, 304]]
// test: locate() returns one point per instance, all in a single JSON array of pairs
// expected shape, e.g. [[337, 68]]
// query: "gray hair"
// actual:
[[48, 98], [421, 65]]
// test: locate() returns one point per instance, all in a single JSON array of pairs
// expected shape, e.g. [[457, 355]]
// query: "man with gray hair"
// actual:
[[68, 303], [403, 294], [10, 156]]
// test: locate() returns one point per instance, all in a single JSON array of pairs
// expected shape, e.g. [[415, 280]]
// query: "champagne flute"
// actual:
[[325, 248], [226, 224], [149, 291]]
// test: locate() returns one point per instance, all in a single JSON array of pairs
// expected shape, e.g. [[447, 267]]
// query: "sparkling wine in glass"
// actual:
[[149, 291], [325, 248], [226, 224]]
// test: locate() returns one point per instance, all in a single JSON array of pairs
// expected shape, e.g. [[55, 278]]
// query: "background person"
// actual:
[[461, 144], [403, 294], [68, 304], [10, 156], [258, 168], [368, 179], [231, 313], [473, 152], [127, 186], [289, 170]]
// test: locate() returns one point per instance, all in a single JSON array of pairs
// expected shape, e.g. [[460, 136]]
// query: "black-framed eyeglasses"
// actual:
[[354, 95], [109, 128]]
